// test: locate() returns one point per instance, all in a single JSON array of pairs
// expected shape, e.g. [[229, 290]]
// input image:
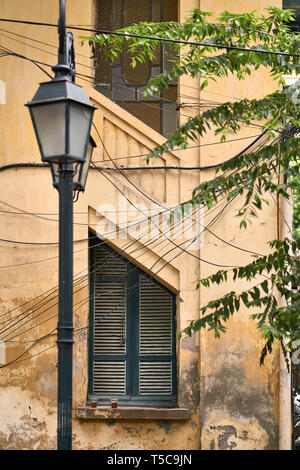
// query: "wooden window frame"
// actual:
[[132, 357], [114, 87]]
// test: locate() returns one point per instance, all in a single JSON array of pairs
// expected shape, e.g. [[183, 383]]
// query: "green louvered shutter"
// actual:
[[109, 324], [155, 339], [133, 335]]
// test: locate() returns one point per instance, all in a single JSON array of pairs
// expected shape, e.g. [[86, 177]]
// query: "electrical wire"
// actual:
[[177, 255], [77, 223], [11, 241], [180, 149], [91, 80], [99, 267], [171, 241], [80, 251], [131, 290], [158, 39], [52, 219], [82, 55], [118, 84], [25, 352], [193, 167], [248, 147], [17, 360], [80, 278], [37, 63], [94, 68], [49, 291], [82, 301]]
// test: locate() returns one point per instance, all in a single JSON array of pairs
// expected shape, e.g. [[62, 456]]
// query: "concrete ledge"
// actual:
[[86, 413]]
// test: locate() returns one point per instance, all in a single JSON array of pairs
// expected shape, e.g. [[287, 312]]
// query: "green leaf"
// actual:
[[265, 287]]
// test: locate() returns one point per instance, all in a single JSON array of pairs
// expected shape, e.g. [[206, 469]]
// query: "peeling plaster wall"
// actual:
[[244, 409], [239, 399], [233, 402]]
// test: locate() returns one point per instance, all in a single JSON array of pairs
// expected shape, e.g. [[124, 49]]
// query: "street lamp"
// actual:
[[62, 117]]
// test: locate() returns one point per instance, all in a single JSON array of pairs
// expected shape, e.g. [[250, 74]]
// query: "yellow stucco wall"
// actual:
[[233, 401]]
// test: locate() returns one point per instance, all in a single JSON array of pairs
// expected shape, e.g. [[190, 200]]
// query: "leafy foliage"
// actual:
[[280, 270], [237, 44]]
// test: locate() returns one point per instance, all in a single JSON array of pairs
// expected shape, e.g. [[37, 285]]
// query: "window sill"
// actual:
[[105, 412]]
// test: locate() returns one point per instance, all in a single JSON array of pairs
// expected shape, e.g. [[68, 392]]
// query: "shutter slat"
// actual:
[[108, 263], [109, 303], [110, 377], [155, 332], [155, 378]]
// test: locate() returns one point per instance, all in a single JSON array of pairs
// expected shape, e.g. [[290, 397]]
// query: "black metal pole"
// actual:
[[62, 89], [65, 315], [62, 32]]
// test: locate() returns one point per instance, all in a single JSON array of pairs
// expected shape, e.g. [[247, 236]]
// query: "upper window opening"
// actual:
[[118, 81], [294, 5]]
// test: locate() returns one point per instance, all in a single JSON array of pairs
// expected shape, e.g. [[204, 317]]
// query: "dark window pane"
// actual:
[[169, 56], [149, 113], [156, 11], [157, 57], [104, 89], [103, 14], [294, 5], [169, 112], [118, 80], [116, 15], [136, 11], [139, 76], [170, 10], [155, 71], [119, 90], [101, 63], [170, 93], [169, 118]]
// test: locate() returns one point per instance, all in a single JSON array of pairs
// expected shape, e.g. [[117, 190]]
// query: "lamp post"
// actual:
[[62, 116]]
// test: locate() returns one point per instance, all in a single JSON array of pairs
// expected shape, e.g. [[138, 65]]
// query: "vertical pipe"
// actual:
[[285, 383], [65, 316]]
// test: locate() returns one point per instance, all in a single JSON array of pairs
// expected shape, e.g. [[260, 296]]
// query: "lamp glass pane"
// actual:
[[81, 175], [55, 174], [80, 123], [49, 120]]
